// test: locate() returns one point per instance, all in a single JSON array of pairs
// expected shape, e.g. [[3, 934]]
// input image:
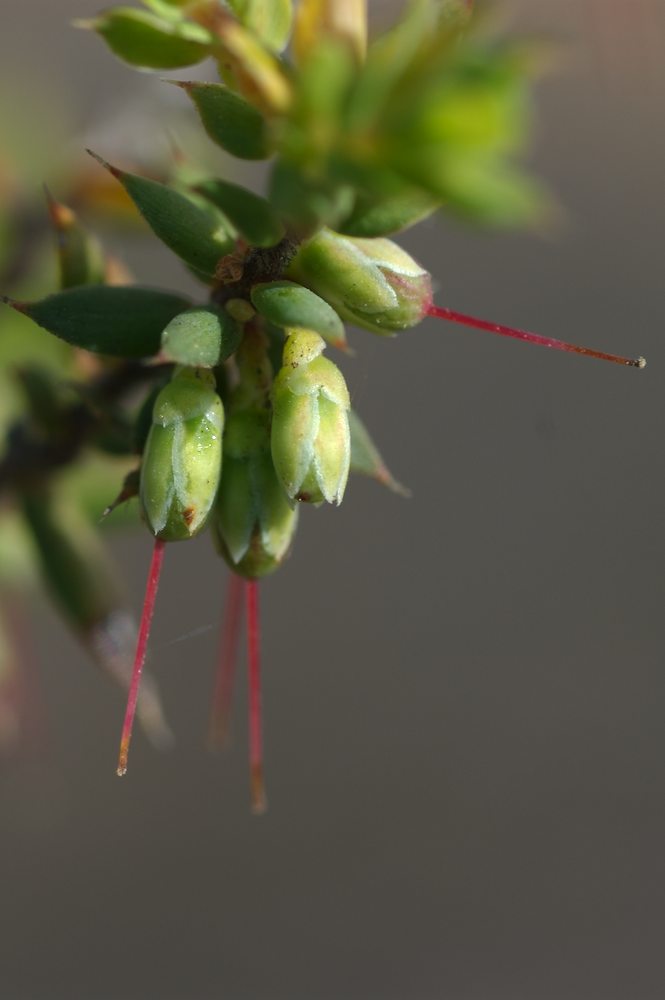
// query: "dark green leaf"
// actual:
[[251, 215], [188, 225], [230, 121], [124, 322]]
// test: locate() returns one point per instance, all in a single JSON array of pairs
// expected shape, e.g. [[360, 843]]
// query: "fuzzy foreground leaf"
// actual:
[[201, 337], [271, 22], [142, 39], [188, 225], [293, 307], [393, 214], [230, 121], [121, 321]]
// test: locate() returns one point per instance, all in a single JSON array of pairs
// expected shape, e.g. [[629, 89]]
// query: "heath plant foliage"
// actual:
[[227, 410]]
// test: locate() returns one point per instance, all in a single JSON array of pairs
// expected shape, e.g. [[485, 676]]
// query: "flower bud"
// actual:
[[183, 455], [370, 282], [310, 427], [254, 522]]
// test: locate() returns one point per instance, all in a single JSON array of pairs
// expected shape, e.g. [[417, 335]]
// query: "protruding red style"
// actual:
[[259, 802], [532, 338], [220, 715], [141, 646]]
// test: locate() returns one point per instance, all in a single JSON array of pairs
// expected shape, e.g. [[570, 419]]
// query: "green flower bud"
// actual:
[[254, 522], [183, 455], [370, 282], [310, 428]]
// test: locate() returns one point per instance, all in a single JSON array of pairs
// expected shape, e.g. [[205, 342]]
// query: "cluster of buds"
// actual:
[[249, 419]]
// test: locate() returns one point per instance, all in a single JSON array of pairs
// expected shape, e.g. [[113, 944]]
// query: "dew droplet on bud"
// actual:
[[440, 312]]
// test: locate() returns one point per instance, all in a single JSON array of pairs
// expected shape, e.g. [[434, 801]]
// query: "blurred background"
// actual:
[[464, 691]]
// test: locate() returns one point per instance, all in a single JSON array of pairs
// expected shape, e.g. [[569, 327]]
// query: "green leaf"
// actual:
[[144, 39], [293, 307], [230, 120], [391, 214], [187, 224], [270, 21], [80, 256], [305, 203], [171, 10], [388, 58], [201, 337], [366, 458], [121, 321], [74, 563], [488, 191], [251, 215]]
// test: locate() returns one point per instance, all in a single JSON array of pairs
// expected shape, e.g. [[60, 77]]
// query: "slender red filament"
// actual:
[[533, 338], [141, 647], [258, 793], [220, 715]]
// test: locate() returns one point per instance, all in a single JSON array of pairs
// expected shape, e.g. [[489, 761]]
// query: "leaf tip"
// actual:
[[341, 344], [61, 216], [104, 163], [85, 23], [21, 307], [186, 85]]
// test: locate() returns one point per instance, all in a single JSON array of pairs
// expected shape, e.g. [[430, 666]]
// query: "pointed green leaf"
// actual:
[[74, 563], [201, 337], [121, 321], [293, 307], [144, 39], [230, 120], [270, 21], [80, 256], [366, 458], [308, 203], [190, 226], [385, 216], [251, 215]]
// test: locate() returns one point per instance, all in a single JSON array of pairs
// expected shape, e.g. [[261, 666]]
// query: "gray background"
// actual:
[[465, 706]]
